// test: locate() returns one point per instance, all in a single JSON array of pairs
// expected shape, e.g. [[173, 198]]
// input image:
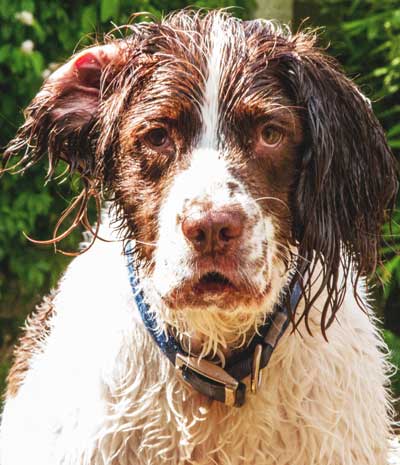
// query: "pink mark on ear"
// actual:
[[89, 70]]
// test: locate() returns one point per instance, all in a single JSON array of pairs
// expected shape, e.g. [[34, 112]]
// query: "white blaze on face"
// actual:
[[210, 107]]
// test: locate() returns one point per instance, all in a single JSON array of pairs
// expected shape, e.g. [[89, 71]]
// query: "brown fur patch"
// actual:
[[36, 330]]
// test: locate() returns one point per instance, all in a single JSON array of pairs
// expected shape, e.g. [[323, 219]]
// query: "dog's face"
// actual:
[[229, 146], [204, 169]]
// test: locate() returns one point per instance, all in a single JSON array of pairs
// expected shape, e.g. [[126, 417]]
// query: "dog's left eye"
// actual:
[[158, 139], [271, 135]]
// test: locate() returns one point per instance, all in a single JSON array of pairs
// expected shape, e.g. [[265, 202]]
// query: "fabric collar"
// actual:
[[221, 384]]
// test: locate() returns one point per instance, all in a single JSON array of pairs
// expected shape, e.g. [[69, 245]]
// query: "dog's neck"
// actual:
[[212, 332]]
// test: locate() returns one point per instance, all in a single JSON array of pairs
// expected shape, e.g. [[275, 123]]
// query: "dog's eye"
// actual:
[[158, 139], [271, 135]]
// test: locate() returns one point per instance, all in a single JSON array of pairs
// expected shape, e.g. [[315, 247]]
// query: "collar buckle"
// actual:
[[211, 373], [256, 373]]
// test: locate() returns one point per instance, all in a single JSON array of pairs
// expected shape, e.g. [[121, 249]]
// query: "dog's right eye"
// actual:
[[158, 139]]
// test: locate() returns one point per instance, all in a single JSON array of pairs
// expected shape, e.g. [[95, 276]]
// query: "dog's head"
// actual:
[[237, 153]]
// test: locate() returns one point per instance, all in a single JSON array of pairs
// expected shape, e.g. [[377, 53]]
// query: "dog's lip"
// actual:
[[213, 285], [213, 282]]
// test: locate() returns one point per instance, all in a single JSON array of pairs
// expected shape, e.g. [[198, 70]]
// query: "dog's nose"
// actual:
[[213, 231]]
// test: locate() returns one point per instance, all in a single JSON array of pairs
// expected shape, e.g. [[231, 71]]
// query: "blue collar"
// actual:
[[222, 384]]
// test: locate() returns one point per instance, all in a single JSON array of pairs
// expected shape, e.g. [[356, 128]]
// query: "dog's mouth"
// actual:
[[214, 282], [213, 288]]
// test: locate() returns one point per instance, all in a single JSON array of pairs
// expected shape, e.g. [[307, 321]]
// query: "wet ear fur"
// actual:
[[347, 181], [61, 118]]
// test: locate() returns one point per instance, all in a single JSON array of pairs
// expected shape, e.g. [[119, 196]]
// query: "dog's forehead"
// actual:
[[211, 69]]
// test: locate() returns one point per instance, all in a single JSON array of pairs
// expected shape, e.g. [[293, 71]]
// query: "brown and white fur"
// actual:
[[235, 156]]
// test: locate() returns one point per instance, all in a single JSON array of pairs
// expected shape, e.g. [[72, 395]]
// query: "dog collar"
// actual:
[[221, 384]]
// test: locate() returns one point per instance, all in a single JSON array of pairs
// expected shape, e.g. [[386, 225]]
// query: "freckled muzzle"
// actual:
[[222, 252]]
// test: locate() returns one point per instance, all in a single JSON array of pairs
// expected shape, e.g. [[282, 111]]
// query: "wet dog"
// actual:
[[240, 164]]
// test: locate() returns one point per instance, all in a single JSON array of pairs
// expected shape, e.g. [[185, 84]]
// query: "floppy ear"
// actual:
[[61, 118], [347, 179]]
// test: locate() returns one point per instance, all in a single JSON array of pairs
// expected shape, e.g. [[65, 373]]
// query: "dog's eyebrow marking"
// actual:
[[210, 107]]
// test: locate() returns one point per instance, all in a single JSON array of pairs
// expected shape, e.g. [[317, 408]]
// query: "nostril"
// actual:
[[230, 227], [201, 236], [198, 232], [225, 235]]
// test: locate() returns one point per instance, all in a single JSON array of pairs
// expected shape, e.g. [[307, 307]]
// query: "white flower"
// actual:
[[25, 17], [27, 46], [46, 73]]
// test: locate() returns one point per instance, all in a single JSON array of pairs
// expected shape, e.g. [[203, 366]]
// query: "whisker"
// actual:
[[151, 244], [273, 198], [290, 251]]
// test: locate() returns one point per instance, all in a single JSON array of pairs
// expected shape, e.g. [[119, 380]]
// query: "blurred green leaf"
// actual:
[[394, 130], [109, 9], [89, 18], [393, 343]]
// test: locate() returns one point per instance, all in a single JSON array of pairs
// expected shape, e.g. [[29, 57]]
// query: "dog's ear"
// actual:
[[61, 118], [347, 178]]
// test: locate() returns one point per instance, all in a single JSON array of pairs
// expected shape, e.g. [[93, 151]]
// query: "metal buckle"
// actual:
[[256, 374], [210, 371]]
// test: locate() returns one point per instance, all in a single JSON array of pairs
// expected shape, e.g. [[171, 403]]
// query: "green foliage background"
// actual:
[[364, 35]]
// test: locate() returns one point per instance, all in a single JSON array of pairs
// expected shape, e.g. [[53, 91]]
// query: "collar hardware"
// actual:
[[256, 373], [211, 373]]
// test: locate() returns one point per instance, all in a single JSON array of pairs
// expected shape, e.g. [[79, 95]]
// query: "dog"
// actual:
[[247, 181]]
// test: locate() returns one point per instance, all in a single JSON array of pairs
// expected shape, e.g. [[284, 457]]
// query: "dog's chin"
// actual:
[[216, 290]]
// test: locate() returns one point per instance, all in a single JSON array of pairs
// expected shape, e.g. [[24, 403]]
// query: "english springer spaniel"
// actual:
[[220, 315]]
